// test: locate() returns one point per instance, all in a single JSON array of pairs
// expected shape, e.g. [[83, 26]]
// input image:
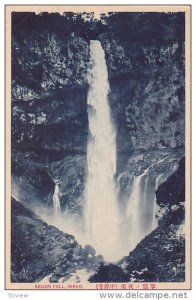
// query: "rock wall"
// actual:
[[42, 61], [40, 250], [171, 197], [148, 105]]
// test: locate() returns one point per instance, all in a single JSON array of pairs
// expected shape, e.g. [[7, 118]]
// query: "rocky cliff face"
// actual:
[[49, 115], [43, 61], [52, 126], [158, 258], [147, 104], [171, 197], [40, 250]]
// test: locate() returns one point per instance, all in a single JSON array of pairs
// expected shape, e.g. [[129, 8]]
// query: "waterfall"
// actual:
[[133, 213], [56, 200], [141, 208], [155, 209], [110, 230], [101, 212]]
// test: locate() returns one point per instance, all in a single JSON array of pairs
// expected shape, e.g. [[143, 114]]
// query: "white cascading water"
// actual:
[[101, 211], [141, 208], [155, 207], [56, 200], [133, 212]]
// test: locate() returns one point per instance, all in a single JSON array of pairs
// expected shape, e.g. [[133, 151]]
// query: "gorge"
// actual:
[[98, 141]]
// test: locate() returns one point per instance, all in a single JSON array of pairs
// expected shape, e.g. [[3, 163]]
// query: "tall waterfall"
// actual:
[[101, 211], [56, 201]]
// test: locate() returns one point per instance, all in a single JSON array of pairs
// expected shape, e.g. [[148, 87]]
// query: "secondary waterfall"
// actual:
[[155, 208], [56, 201], [101, 211], [140, 218], [133, 212]]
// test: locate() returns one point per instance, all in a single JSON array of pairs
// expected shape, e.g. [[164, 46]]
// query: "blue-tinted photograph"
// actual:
[[98, 149]]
